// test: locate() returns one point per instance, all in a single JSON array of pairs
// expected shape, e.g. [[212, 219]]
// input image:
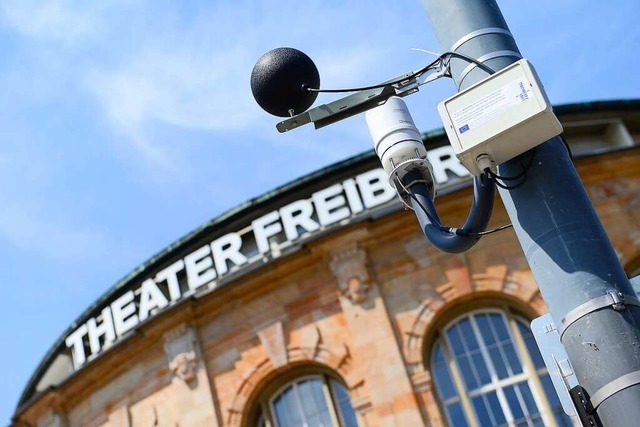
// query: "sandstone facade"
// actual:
[[364, 304]]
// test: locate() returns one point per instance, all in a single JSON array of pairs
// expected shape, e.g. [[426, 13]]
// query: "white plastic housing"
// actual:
[[501, 117], [395, 136]]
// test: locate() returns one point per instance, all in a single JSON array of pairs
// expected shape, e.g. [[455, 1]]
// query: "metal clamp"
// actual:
[[614, 299], [481, 32], [419, 165], [614, 387]]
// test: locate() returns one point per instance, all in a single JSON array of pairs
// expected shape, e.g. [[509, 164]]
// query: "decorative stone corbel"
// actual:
[[350, 269], [180, 347], [417, 247], [120, 417], [362, 405], [53, 419], [421, 381], [273, 340]]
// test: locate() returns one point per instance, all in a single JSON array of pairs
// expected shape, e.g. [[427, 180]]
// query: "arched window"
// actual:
[[316, 400], [488, 371]]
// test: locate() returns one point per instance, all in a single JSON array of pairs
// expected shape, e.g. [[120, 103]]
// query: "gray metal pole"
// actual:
[[562, 238]]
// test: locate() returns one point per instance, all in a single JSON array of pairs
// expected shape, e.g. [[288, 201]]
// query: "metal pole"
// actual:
[[567, 249]]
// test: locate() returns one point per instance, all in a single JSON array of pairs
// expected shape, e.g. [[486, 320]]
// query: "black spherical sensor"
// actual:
[[279, 81]]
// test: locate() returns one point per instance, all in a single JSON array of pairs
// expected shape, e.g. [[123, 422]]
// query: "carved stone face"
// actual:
[[350, 268], [357, 289], [185, 366]]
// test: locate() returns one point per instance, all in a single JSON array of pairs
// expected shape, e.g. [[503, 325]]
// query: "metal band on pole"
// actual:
[[487, 57], [481, 32], [614, 387], [613, 299]]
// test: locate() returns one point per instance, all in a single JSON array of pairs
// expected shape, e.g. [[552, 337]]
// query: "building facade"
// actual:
[[321, 304]]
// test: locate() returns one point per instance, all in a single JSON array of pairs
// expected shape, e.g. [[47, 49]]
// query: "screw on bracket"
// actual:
[[618, 300]]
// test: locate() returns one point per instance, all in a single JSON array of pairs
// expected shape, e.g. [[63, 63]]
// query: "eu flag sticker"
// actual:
[[463, 129]]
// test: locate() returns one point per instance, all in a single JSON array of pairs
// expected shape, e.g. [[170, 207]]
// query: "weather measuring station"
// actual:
[[503, 130]]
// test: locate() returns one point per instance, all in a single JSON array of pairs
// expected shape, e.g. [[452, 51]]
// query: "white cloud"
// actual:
[[190, 91], [31, 222], [28, 231], [63, 20], [200, 92], [196, 77], [350, 66], [187, 68]]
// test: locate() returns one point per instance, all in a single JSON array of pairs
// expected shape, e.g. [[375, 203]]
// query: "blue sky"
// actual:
[[126, 124]]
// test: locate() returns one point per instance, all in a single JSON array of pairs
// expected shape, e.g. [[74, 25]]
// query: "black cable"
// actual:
[[426, 212], [522, 175], [434, 221], [509, 187], [504, 178], [380, 85], [439, 59], [460, 232], [480, 65], [359, 89]]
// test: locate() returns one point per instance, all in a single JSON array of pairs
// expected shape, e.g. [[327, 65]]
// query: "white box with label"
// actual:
[[501, 116]]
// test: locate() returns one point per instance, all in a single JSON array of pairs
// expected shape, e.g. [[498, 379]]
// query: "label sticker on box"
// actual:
[[492, 105]]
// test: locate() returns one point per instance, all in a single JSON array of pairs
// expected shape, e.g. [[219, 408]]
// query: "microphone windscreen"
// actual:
[[279, 79]]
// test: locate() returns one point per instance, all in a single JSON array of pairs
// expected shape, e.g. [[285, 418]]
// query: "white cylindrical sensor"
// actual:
[[395, 137]]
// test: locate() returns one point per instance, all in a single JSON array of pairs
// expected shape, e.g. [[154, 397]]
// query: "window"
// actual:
[[316, 400], [488, 372]]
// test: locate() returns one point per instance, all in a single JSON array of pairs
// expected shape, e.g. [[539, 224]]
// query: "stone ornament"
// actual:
[[350, 268], [53, 419], [185, 366], [180, 347], [273, 340]]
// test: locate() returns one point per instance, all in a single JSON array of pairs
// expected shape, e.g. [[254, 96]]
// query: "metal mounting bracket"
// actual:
[[335, 111], [556, 360], [361, 101], [585, 412]]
